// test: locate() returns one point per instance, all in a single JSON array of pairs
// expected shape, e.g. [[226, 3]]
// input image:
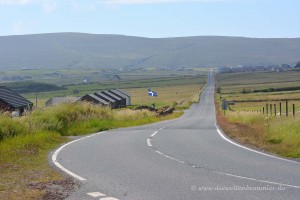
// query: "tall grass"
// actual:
[[280, 135]]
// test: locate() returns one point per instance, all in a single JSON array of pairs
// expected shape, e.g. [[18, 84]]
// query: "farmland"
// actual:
[[246, 122]]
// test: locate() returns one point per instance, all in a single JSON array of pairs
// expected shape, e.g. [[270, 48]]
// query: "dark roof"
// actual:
[[117, 92], [13, 99], [123, 92], [101, 95], [112, 95], [98, 99]]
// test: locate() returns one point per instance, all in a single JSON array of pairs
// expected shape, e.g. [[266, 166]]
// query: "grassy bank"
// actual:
[[25, 142], [279, 135]]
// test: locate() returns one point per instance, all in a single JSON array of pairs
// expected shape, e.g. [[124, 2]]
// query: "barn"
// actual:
[[115, 99], [12, 102]]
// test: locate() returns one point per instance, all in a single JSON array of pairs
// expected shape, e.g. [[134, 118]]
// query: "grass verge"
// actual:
[[278, 135]]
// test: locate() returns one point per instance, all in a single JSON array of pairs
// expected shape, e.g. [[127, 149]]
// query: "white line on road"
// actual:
[[153, 134], [54, 158], [227, 174], [96, 194], [241, 146], [149, 142]]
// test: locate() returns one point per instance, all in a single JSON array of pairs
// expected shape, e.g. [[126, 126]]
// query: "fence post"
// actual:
[[275, 109], [267, 107], [286, 108], [294, 110], [280, 108], [271, 110], [263, 110]]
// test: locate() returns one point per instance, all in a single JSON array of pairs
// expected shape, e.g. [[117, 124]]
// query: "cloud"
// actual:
[[155, 1], [16, 2], [49, 6]]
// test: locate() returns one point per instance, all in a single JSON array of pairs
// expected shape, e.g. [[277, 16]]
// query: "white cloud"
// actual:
[[16, 2], [49, 6], [155, 1]]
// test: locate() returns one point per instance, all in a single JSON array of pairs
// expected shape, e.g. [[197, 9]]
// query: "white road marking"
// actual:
[[241, 146], [153, 134], [108, 198], [233, 175], [258, 180], [54, 158], [149, 142], [96, 194]]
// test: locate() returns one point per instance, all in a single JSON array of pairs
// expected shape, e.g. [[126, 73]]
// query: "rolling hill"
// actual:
[[79, 50]]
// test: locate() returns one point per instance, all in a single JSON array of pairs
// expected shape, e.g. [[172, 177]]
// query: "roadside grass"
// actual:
[[23, 160], [277, 134]]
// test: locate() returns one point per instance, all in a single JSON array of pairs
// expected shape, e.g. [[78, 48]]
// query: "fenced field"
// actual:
[[255, 118]]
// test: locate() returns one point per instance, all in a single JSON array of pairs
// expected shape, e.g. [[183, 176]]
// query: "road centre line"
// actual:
[[223, 173]]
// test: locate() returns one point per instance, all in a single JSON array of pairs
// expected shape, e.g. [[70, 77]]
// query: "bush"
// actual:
[[11, 127]]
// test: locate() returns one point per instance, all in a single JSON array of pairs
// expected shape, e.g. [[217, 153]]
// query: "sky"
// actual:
[[153, 18]]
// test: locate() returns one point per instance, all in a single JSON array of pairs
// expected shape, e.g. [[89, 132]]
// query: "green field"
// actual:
[[241, 89]]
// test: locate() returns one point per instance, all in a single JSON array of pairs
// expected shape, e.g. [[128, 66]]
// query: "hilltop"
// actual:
[[79, 50]]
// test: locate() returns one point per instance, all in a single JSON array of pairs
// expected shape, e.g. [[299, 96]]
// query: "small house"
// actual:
[[12, 102]]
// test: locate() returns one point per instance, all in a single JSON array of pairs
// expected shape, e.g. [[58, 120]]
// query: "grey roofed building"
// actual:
[[94, 99], [112, 102], [123, 95], [13, 102], [58, 100], [114, 98], [120, 102]]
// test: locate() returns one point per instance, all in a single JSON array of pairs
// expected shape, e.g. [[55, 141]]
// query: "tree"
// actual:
[[297, 65]]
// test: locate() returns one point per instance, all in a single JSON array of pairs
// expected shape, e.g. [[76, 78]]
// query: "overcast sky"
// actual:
[[153, 18]]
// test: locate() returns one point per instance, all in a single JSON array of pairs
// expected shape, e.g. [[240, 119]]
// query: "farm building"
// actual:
[[113, 99], [94, 99], [58, 100], [13, 102], [123, 95]]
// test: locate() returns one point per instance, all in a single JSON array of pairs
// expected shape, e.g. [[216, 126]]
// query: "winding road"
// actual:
[[183, 159]]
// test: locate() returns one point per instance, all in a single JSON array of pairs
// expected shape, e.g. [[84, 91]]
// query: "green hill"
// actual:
[[74, 50]]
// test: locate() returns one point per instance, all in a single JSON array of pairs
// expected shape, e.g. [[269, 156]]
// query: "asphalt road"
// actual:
[[183, 159]]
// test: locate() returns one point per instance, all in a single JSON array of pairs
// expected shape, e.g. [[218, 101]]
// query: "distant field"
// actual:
[[181, 90], [240, 87], [93, 75]]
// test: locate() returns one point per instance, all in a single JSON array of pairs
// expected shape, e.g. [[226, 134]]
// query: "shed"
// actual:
[[12, 102], [120, 102], [122, 94], [106, 98], [94, 99]]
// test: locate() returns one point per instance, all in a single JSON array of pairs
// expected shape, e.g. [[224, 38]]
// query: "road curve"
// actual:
[[182, 159]]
